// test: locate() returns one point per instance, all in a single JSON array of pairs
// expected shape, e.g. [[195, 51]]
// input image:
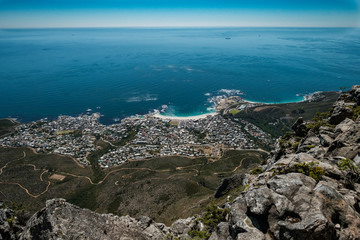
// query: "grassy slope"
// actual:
[[163, 188], [285, 114], [6, 126]]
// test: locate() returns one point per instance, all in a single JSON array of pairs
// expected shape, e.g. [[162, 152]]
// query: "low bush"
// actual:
[[309, 169], [256, 171]]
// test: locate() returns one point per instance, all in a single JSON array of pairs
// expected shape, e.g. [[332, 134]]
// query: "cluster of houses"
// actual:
[[70, 136], [152, 137], [158, 138]]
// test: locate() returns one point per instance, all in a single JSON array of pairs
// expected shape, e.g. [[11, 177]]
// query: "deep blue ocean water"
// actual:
[[122, 72]]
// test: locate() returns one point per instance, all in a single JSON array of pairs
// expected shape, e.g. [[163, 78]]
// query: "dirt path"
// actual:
[[77, 163], [109, 173], [21, 186], [232, 171], [1, 169], [26, 190]]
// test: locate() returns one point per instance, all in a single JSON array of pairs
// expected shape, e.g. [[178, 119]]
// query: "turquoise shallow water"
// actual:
[[122, 72]]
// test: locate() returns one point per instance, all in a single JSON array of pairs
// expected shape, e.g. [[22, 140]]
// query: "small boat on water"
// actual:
[[227, 38]]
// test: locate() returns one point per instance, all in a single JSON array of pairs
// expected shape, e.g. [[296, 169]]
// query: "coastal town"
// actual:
[[139, 137]]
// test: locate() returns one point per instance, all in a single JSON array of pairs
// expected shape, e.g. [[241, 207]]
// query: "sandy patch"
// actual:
[[258, 109], [158, 115], [57, 177]]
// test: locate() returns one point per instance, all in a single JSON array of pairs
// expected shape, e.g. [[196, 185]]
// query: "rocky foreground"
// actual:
[[309, 189]]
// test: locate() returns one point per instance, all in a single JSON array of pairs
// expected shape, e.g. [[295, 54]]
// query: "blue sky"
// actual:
[[178, 13]]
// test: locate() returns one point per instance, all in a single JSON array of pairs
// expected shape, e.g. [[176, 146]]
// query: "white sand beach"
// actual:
[[158, 115]]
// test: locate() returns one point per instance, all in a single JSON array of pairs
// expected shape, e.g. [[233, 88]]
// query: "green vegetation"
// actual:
[[320, 119], [352, 175], [6, 126], [295, 146], [199, 135], [276, 119], [309, 169], [130, 136], [10, 221], [94, 157], [256, 171], [356, 111], [85, 197], [197, 234], [211, 218], [64, 132], [168, 185], [5, 123], [234, 111], [347, 164]]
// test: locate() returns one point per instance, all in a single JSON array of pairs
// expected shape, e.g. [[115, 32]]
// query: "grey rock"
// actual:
[[9, 226], [62, 220], [325, 140], [183, 226], [229, 184], [344, 126], [341, 111], [289, 184], [299, 127], [221, 232], [355, 90]]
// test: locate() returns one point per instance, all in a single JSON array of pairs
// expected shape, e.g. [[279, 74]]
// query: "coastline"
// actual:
[[305, 98], [157, 114]]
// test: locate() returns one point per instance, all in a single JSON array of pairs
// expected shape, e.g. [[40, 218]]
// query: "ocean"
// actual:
[[120, 72]]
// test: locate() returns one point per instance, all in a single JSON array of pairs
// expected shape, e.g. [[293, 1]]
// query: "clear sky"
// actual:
[[179, 13]]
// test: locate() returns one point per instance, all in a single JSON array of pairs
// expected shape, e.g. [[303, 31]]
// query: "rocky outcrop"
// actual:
[[62, 220], [229, 184], [343, 108], [9, 226], [310, 187], [299, 127]]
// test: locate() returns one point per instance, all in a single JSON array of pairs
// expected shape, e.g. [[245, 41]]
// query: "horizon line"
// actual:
[[112, 27]]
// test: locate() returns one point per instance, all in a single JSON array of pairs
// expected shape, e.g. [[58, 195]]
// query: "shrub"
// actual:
[[196, 234], [295, 146], [213, 216], [352, 171], [11, 221], [256, 171], [356, 111], [309, 169], [318, 121], [347, 164]]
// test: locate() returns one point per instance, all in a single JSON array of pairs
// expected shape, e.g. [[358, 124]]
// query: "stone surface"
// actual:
[[299, 127], [62, 220], [229, 184], [341, 111]]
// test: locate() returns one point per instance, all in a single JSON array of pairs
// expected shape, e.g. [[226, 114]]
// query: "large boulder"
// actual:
[[294, 206], [62, 220], [229, 184], [341, 111], [299, 127], [355, 91]]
